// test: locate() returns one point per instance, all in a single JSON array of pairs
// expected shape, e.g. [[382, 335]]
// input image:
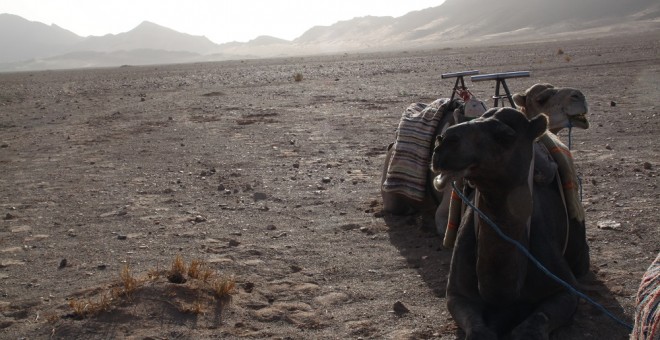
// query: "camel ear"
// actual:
[[520, 99], [489, 113], [504, 133], [543, 97], [538, 125]]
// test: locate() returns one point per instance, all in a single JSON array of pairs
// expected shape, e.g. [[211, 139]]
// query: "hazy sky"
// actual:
[[219, 20]]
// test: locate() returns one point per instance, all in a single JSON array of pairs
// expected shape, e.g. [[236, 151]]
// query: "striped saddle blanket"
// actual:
[[409, 165]]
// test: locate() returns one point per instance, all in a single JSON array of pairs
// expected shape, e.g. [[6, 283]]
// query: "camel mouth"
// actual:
[[470, 172], [579, 120]]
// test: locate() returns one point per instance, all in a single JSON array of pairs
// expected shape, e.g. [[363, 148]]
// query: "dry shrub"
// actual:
[[560, 51], [223, 287], [89, 307], [199, 270], [567, 58], [205, 284], [178, 271], [196, 308], [298, 76], [195, 269], [127, 281]]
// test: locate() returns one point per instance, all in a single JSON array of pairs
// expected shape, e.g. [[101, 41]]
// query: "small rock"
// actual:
[[248, 287], [9, 216], [350, 226], [6, 323], [647, 166], [400, 309], [63, 264], [296, 165], [199, 219], [121, 237], [326, 180], [282, 234], [271, 227], [101, 266], [234, 243], [259, 196], [366, 230], [608, 147], [609, 225], [4, 145], [613, 103]]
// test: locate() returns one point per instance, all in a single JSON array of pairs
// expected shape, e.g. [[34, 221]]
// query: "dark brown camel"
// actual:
[[493, 289]]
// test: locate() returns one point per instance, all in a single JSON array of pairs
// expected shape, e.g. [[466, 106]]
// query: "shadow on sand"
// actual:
[[422, 248]]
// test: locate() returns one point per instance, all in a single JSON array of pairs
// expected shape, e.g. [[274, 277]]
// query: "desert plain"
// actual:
[[274, 183]]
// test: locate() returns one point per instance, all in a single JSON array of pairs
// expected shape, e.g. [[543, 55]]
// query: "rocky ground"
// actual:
[[275, 182]]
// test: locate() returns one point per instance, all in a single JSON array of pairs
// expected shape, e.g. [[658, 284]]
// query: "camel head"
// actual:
[[564, 106], [493, 148]]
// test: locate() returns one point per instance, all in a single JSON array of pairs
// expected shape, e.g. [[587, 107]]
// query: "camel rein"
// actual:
[[536, 262]]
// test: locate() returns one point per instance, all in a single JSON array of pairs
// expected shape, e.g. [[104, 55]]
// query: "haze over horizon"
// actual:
[[219, 21]]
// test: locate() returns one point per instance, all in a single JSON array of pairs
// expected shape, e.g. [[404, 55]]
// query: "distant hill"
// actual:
[[468, 21], [148, 35], [22, 39], [33, 45]]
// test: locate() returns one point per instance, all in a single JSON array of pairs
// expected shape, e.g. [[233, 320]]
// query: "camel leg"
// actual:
[[556, 311], [463, 300], [468, 314]]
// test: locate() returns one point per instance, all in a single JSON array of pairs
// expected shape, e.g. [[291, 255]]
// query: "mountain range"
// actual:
[[31, 45]]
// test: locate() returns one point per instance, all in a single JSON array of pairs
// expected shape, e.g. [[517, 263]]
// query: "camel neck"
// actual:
[[510, 208]]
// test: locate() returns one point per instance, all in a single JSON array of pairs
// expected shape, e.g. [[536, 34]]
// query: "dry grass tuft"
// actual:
[[178, 271], [195, 269], [89, 307], [223, 287], [560, 51], [298, 77], [196, 308], [128, 282]]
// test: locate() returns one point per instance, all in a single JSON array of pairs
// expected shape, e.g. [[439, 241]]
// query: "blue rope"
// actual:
[[536, 262]]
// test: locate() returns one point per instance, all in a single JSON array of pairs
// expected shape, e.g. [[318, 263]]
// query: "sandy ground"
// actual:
[[276, 183]]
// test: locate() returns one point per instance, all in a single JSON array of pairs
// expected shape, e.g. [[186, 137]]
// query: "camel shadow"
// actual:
[[590, 322], [422, 248]]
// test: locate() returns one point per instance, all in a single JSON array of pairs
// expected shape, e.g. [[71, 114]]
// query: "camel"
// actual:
[[493, 290], [564, 107]]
